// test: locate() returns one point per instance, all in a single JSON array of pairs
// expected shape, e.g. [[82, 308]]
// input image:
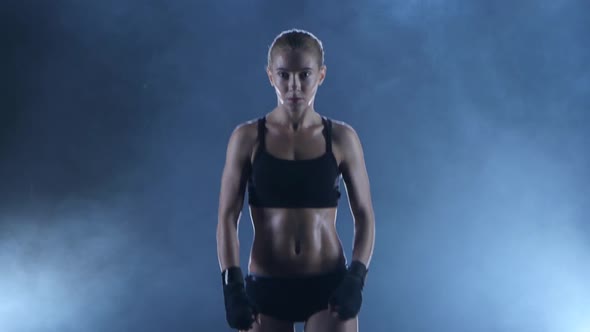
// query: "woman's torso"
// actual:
[[294, 242], [298, 238]]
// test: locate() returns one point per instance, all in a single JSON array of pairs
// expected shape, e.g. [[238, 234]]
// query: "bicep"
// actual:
[[235, 175], [354, 174]]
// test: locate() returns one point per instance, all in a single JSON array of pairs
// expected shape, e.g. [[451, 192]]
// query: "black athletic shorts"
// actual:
[[292, 299]]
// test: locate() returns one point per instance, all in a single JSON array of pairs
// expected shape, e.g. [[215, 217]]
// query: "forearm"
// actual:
[[228, 245], [364, 239], [347, 299]]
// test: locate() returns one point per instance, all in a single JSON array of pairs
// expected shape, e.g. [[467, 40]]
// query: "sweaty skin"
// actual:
[[295, 241]]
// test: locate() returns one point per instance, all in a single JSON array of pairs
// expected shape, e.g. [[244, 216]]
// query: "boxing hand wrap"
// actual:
[[347, 298], [239, 312]]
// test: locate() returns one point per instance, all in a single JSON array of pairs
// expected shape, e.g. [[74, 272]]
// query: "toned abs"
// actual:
[[294, 241]]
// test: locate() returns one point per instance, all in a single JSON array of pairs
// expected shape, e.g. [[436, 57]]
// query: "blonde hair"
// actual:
[[297, 39]]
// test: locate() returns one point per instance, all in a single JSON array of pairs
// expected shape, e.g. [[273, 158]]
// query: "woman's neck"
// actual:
[[295, 120]]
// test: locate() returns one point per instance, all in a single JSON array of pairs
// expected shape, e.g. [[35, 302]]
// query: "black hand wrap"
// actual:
[[348, 297], [239, 312]]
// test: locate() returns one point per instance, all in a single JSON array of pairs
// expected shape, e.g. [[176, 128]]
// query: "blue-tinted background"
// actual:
[[474, 117]]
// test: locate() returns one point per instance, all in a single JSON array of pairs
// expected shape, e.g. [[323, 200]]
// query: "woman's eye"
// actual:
[[285, 75]]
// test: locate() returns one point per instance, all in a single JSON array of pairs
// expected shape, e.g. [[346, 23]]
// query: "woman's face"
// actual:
[[295, 75]]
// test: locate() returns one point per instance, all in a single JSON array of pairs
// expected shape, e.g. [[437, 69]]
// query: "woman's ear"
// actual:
[[269, 74], [323, 74]]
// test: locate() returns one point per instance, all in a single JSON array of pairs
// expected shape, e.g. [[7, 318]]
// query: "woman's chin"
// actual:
[[294, 108]]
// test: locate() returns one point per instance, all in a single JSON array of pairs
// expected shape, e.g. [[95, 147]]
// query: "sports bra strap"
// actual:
[[327, 133], [261, 132]]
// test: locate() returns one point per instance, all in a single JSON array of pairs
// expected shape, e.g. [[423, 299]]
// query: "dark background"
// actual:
[[474, 117]]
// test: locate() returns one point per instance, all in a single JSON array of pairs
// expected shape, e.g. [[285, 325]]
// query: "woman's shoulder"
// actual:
[[245, 133], [341, 130], [247, 126]]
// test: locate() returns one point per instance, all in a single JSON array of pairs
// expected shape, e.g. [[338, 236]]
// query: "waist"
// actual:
[[294, 241], [274, 264], [335, 271]]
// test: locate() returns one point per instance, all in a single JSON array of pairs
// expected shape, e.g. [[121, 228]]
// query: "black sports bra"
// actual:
[[283, 183]]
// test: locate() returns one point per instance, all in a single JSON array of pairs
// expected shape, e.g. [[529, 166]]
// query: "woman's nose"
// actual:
[[294, 83]]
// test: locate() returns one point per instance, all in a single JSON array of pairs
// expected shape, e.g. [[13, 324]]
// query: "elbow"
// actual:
[[364, 221], [364, 215], [227, 230], [221, 231], [227, 221]]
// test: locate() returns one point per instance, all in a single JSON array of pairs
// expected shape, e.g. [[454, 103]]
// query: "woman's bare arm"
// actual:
[[231, 197], [356, 179]]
